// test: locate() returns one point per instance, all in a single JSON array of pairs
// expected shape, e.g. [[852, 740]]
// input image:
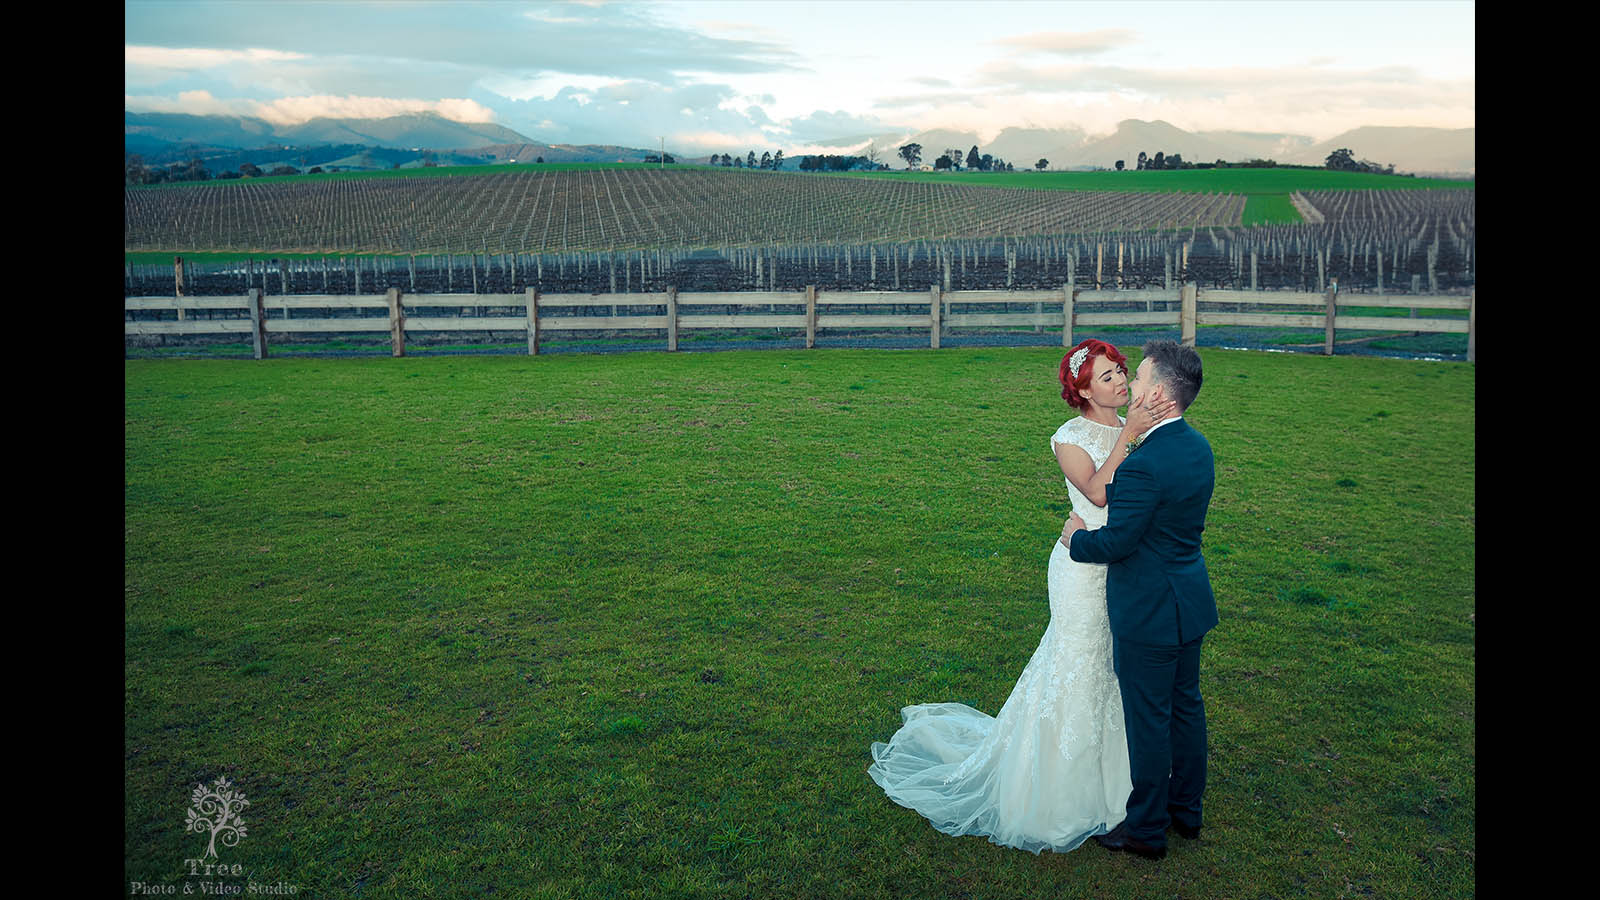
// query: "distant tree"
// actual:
[[1042, 164], [1119, 165], [956, 156], [1341, 160], [1159, 161], [249, 170], [1175, 161], [912, 154], [766, 160], [738, 162], [974, 161], [317, 170], [539, 160], [1142, 162], [777, 160], [136, 171], [985, 163], [833, 163], [291, 170], [873, 155], [750, 161], [228, 174], [942, 163]]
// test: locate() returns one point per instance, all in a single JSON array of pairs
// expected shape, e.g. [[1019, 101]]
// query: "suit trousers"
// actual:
[[1166, 729]]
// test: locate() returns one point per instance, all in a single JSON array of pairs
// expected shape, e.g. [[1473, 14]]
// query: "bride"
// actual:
[[1051, 770]]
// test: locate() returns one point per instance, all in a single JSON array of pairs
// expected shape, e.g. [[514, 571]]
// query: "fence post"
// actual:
[[933, 333], [672, 318], [1188, 312], [811, 316], [533, 321], [1333, 310], [258, 323], [397, 323], [177, 282], [1066, 312], [1472, 334]]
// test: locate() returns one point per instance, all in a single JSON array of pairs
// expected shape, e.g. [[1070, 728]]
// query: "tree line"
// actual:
[[1341, 160], [954, 160], [194, 170], [1161, 161], [769, 160]]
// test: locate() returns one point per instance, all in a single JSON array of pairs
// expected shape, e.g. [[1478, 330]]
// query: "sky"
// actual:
[[816, 76]]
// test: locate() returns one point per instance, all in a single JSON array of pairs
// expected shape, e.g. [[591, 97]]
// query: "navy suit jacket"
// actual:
[[1157, 588]]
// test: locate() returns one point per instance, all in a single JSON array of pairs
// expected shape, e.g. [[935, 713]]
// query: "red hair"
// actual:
[[1070, 386]]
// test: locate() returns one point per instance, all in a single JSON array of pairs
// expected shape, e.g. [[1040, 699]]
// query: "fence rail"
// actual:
[[542, 313]]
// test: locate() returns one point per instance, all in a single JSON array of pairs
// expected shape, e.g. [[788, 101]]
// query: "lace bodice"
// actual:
[[1096, 440]]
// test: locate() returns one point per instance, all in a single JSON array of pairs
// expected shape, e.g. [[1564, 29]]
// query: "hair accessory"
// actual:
[[1077, 360]]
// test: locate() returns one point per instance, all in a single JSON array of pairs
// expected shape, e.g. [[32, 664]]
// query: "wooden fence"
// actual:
[[544, 313]]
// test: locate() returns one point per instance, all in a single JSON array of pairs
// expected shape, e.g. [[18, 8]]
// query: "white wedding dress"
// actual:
[[1051, 770]]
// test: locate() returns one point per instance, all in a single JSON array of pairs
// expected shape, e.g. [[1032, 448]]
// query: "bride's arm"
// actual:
[[1079, 468]]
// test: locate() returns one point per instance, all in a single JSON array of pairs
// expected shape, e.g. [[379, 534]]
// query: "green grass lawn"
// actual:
[[1270, 209], [626, 625]]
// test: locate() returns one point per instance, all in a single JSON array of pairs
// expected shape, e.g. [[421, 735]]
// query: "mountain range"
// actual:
[[168, 137]]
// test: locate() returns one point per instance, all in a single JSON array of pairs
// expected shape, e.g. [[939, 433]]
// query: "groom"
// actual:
[[1158, 597]]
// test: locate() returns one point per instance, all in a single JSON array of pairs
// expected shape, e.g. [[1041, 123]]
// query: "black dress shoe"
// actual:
[[1185, 831], [1118, 839]]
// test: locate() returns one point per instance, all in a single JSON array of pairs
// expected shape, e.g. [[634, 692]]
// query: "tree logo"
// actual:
[[215, 809]]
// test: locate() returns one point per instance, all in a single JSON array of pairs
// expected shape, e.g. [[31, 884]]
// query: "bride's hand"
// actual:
[[1153, 408]]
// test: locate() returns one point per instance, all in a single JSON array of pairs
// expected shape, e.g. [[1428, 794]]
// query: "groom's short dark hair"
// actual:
[[1177, 367]]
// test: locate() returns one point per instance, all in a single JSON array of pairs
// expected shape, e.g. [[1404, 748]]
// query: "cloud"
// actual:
[[694, 118], [296, 110], [1069, 43], [834, 128], [190, 58], [194, 103], [1191, 82], [622, 40]]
